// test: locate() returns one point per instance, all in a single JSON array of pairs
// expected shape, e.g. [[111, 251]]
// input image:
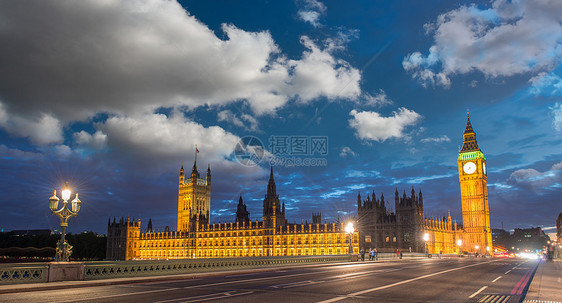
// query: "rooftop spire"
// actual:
[[271, 187], [194, 171], [469, 143], [468, 129]]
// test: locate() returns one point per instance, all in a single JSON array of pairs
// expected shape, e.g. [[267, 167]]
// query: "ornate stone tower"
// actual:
[[194, 198], [122, 238], [273, 211], [474, 194]]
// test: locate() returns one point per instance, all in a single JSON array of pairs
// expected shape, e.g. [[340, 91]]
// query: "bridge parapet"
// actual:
[[23, 273], [121, 269]]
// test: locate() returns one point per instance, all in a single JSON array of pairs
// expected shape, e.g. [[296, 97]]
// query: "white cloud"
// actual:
[[546, 83], [556, 112], [41, 129], [346, 151], [380, 98], [151, 136], [7, 153], [62, 150], [130, 57], [334, 194], [310, 17], [443, 138], [311, 12], [372, 126], [362, 174], [242, 120], [530, 178], [510, 38], [318, 73], [96, 141]]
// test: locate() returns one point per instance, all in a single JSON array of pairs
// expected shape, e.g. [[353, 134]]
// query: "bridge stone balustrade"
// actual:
[[121, 269], [97, 270], [23, 273]]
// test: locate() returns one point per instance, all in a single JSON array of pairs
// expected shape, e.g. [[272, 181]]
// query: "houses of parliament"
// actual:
[[406, 228]]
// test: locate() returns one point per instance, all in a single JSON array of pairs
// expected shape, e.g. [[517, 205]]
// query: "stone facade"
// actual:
[[407, 227], [273, 236]]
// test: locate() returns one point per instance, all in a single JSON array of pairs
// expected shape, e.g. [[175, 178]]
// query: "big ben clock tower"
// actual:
[[474, 195]]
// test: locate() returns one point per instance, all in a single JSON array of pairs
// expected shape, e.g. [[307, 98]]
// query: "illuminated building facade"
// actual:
[[474, 194], [197, 238], [404, 229]]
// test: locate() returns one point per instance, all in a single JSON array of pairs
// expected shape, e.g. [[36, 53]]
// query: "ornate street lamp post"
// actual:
[[459, 244], [425, 239], [64, 249], [349, 229]]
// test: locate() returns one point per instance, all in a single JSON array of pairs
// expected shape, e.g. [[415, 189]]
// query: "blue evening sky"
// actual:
[[113, 96]]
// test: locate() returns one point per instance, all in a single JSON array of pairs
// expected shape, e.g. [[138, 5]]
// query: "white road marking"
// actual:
[[507, 272], [295, 284], [343, 297], [496, 279], [247, 280], [122, 295], [477, 292], [215, 296]]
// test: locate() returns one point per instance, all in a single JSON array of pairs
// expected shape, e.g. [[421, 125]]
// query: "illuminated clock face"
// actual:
[[469, 168], [484, 167]]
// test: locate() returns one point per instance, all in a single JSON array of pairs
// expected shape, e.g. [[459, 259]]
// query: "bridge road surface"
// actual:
[[414, 280]]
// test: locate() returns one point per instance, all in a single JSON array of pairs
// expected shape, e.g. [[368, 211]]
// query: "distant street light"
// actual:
[[459, 244], [64, 249], [425, 239], [350, 229]]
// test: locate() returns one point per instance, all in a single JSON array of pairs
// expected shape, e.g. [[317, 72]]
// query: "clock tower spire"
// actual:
[[474, 194]]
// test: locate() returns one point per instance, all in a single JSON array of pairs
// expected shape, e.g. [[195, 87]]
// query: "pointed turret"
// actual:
[[358, 200], [273, 216], [149, 227], [469, 142], [468, 129], [182, 175], [194, 172], [242, 213], [271, 187], [208, 173]]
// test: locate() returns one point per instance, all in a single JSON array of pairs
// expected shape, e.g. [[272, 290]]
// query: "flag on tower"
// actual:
[[196, 150]]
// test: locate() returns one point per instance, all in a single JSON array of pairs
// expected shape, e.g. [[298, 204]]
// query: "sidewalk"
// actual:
[[547, 283]]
